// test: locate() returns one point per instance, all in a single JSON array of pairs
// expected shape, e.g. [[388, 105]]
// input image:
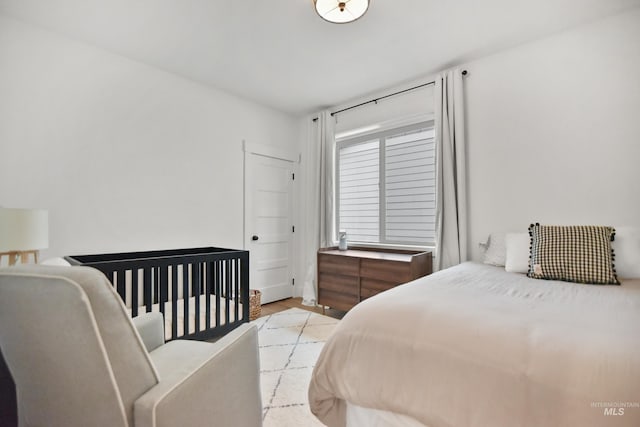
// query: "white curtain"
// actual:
[[319, 188], [451, 191]]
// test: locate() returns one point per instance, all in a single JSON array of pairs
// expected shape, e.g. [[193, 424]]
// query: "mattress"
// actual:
[[168, 314], [474, 345]]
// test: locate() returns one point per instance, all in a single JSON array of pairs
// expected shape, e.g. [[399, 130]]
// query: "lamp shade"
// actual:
[[23, 229], [341, 12]]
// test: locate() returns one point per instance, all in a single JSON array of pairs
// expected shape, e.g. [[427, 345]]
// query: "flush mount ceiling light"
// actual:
[[341, 12]]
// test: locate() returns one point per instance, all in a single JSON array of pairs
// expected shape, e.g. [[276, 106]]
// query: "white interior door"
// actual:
[[268, 225]]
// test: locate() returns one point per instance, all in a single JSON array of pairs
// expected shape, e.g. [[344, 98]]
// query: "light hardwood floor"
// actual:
[[285, 304]]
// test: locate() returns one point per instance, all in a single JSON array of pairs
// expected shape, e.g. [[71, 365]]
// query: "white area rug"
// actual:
[[290, 343]]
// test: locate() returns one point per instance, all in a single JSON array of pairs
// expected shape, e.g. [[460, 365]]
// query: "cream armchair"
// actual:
[[77, 359]]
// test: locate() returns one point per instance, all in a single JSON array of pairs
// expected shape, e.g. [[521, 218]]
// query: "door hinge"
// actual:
[[293, 228]]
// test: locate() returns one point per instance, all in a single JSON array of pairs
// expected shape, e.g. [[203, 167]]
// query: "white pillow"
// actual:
[[56, 261], [496, 250], [626, 248], [518, 248]]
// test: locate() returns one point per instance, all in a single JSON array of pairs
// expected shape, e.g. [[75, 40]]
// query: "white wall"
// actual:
[[553, 131], [124, 156]]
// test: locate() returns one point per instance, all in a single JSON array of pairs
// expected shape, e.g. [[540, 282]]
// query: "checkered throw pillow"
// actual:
[[579, 253]]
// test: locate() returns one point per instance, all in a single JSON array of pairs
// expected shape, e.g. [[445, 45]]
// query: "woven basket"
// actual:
[[254, 304]]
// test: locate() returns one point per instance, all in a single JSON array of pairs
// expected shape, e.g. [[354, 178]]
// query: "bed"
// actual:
[[474, 345], [202, 292]]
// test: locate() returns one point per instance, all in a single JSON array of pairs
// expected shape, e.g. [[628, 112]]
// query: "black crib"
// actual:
[[201, 292]]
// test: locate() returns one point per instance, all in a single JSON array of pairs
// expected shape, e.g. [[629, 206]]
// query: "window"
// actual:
[[386, 186]]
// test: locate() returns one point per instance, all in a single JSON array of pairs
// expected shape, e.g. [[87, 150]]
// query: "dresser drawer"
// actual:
[[337, 300], [348, 285], [336, 264], [396, 272]]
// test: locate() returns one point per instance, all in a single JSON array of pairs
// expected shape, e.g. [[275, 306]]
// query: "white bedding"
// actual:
[[357, 416], [474, 345]]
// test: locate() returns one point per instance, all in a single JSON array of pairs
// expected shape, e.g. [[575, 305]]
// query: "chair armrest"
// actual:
[[215, 384], [150, 326]]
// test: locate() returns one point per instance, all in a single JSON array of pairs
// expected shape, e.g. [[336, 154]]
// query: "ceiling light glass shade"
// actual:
[[23, 229], [341, 12]]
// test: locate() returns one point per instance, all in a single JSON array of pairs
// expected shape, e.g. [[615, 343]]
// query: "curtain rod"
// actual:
[[375, 100]]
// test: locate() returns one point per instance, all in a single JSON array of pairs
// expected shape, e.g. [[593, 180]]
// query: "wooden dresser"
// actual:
[[347, 277]]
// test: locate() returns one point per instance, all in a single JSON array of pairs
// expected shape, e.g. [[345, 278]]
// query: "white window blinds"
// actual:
[[359, 201], [386, 186]]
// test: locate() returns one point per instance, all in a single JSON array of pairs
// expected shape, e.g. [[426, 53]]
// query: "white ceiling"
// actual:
[[281, 54]]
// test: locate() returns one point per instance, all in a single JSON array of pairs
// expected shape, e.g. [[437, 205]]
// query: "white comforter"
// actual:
[[474, 345]]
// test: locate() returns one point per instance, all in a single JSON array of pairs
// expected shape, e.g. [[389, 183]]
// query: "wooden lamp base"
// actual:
[[22, 255]]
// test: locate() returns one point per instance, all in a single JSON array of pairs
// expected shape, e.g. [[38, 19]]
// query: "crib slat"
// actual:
[[185, 296], [134, 292], [174, 301], [207, 286], [156, 285], [121, 282], [146, 283], [217, 291], [164, 288], [236, 289], [195, 277], [227, 290]]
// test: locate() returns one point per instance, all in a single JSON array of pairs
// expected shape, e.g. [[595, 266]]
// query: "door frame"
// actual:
[[279, 154]]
